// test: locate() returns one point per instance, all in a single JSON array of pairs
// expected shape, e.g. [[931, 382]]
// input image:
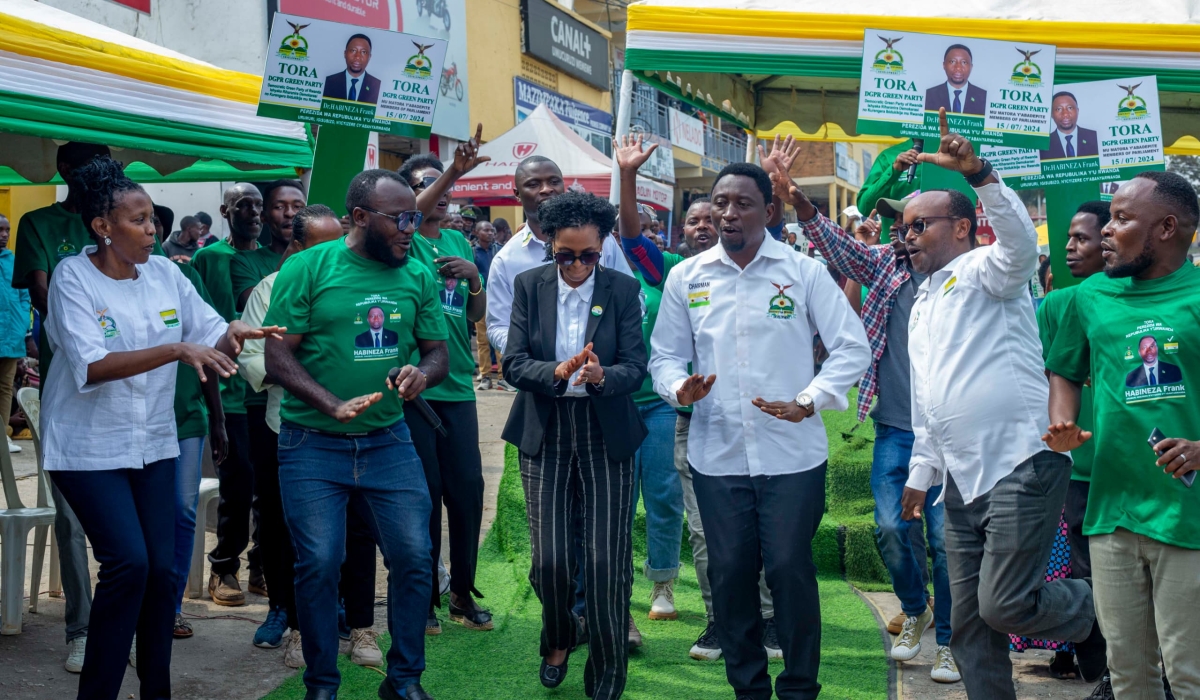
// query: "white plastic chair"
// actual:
[[15, 523], [208, 491]]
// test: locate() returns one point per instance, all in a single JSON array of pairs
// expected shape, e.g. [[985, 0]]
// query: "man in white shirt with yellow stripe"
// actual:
[[757, 448], [980, 404]]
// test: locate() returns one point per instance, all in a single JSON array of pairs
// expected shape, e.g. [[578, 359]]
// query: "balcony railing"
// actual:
[[720, 148]]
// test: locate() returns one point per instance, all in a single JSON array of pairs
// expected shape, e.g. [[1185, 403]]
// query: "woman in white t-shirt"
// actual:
[[118, 321]]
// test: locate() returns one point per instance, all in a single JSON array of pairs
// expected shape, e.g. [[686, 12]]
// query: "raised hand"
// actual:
[[954, 152], [466, 156], [694, 388], [353, 408], [783, 154], [629, 153], [1064, 437], [592, 372], [566, 368], [868, 231]]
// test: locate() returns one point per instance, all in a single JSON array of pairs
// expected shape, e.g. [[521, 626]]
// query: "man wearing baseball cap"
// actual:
[[885, 271]]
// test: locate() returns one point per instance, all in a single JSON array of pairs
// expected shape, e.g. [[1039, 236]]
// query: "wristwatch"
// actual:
[[806, 402], [977, 179]]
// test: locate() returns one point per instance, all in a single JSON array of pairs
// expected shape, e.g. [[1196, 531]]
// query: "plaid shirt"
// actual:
[[874, 267]]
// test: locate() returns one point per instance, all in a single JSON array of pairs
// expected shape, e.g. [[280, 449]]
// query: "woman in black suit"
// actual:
[[576, 354]]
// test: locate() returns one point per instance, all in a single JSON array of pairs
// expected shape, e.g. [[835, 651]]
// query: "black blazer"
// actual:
[[973, 102], [616, 337], [1086, 144], [335, 87]]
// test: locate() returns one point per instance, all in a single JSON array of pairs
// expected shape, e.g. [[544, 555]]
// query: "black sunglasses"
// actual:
[[567, 258], [920, 225], [403, 220], [425, 183]]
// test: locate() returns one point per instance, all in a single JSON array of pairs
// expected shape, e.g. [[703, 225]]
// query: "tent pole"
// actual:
[[623, 109], [751, 148]]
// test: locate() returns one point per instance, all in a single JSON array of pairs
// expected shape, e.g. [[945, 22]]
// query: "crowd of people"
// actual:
[[326, 364]]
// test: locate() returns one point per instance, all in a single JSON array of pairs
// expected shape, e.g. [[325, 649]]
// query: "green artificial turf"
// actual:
[[502, 664]]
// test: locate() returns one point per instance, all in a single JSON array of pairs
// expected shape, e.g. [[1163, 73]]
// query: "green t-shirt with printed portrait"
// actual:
[[191, 412], [213, 262], [651, 295], [246, 270], [1049, 319], [46, 237], [452, 296], [1139, 341], [359, 318]]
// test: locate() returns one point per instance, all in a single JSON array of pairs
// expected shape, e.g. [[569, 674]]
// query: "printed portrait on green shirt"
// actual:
[[377, 342], [1153, 377]]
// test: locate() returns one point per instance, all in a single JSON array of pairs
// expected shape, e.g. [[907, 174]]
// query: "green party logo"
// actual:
[[1027, 72], [294, 45], [419, 65], [107, 325], [1132, 106], [889, 59], [782, 306]]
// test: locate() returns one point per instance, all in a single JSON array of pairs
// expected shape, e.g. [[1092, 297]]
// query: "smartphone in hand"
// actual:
[[1157, 437]]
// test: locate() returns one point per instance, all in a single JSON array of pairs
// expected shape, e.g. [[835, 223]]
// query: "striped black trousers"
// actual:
[[573, 475]]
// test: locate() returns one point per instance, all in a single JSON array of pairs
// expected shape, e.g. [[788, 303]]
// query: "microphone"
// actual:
[[422, 407], [918, 146]]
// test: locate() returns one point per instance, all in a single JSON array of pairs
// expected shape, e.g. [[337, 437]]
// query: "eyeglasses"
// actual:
[[426, 183], [567, 258], [919, 226], [403, 220]]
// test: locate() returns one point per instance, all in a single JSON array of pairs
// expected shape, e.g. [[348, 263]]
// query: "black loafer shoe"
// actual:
[[413, 691], [553, 676], [476, 618]]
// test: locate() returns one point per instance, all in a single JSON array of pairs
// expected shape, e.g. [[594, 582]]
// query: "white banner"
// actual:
[[687, 132]]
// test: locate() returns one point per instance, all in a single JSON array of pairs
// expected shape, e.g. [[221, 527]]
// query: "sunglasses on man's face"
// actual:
[[567, 258], [402, 220], [919, 226]]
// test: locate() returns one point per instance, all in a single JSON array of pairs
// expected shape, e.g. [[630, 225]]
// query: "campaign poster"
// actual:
[[1103, 131], [994, 92], [345, 75], [440, 19]]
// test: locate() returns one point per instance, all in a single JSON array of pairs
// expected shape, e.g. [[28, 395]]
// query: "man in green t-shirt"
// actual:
[[1135, 333], [342, 434], [1084, 259], [242, 209], [45, 237], [453, 466]]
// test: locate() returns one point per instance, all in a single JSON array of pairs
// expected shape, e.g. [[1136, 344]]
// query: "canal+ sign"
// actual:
[[558, 38]]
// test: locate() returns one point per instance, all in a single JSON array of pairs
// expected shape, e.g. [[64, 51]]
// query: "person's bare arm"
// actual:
[[286, 369], [218, 440], [1064, 435], [39, 288], [129, 363]]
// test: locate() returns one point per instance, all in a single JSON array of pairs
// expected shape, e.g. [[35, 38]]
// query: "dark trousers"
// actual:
[[235, 501], [1081, 555], [765, 523], [454, 472], [274, 542], [129, 517], [357, 584], [997, 546], [571, 475]]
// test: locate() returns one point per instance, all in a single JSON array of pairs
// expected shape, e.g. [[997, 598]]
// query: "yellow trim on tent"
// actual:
[[49, 43], [805, 25], [1184, 146], [828, 132]]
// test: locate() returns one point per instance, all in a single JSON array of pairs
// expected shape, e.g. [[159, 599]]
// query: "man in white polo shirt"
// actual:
[[757, 448]]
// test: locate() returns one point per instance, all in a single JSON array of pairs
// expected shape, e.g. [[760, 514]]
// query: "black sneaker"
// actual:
[[1103, 691], [432, 625], [1092, 655], [771, 639], [707, 648]]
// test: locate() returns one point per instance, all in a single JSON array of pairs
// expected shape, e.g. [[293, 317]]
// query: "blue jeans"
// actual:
[[187, 497], [655, 476], [319, 475], [889, 472]]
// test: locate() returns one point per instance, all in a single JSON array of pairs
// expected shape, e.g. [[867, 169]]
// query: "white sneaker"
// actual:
[[293, 652], [485, 384], [908, 644], [13, 447], [133, 652], [505, 386], [76, 648], [364, 650], [944, 669], [662, 601]]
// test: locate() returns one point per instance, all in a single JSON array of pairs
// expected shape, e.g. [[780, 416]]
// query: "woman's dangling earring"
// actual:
[[107, 240]]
